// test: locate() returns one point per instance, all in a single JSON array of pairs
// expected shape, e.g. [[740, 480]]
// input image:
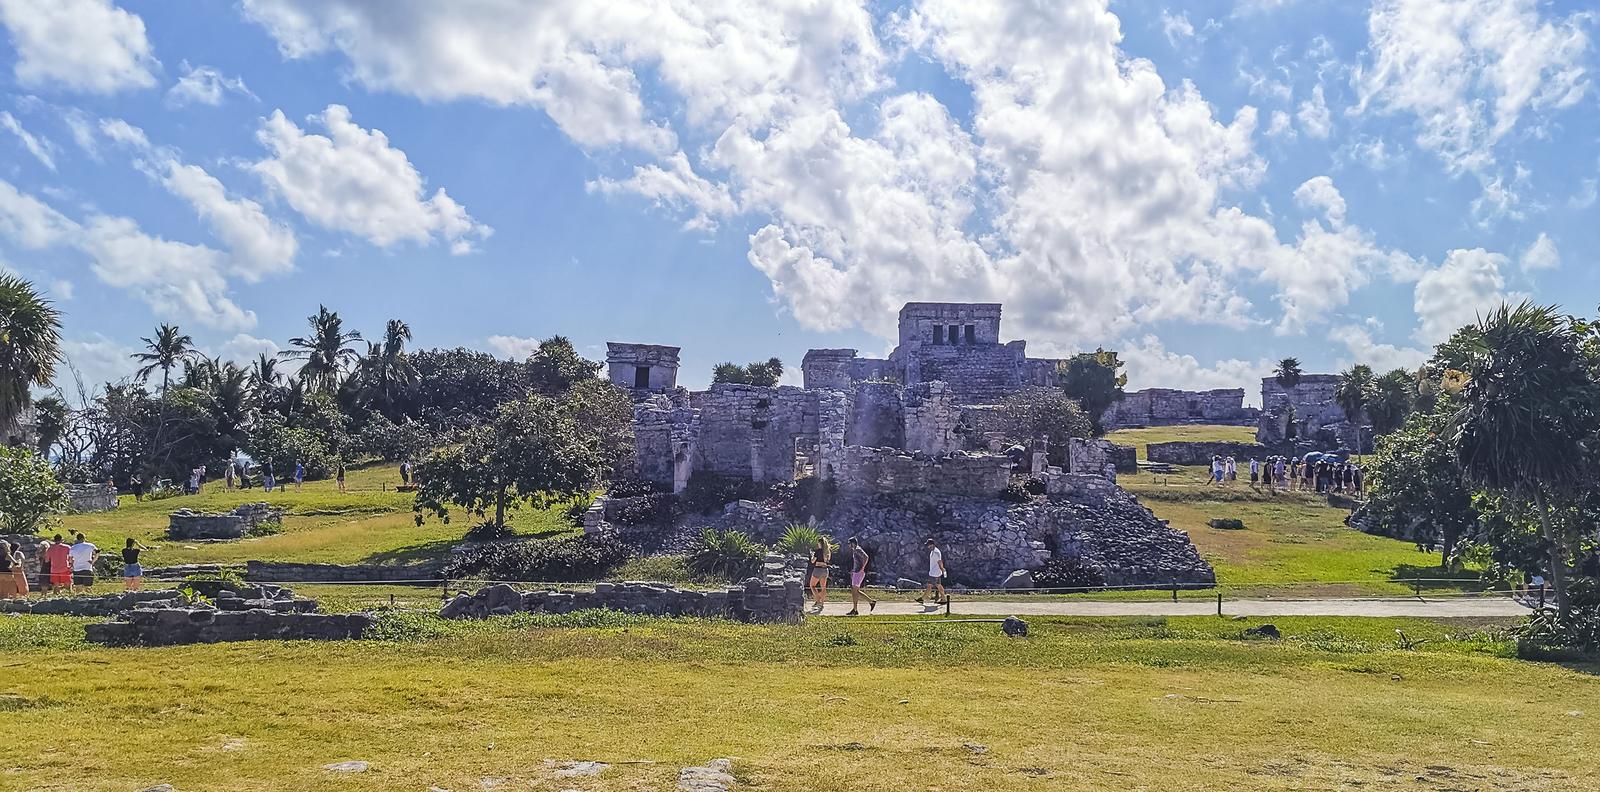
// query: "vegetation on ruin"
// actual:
[[764, 373], [830, 705]]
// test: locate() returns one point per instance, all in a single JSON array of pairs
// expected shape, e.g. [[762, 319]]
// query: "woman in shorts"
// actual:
[[132, 572], [820, 556]]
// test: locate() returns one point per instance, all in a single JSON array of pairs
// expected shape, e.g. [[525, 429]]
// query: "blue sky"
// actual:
[[1206, 186]]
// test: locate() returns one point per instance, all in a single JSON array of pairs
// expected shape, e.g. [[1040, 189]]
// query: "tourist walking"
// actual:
[[1230, 470], [936, 574], [339, 476], [821, 556], [132, 572], [83, 554], [136, 483], [1255, 471], [299, 474], [858, 578], [228, 475], [1216, 470], [405, 473], [60, 558], [268, 480]]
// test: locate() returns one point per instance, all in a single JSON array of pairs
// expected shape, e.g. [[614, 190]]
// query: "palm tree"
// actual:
[[1288, 373], [1527, 410], [30, 346], [264, 372], [325, 351], [167, 349], [1390, 399], [393, 370], [1355, 384]]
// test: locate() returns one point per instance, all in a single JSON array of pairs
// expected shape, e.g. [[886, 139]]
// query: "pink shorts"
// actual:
[[857, 578]]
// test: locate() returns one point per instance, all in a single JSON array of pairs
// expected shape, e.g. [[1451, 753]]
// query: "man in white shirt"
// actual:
[[82, 555], [936, 574]]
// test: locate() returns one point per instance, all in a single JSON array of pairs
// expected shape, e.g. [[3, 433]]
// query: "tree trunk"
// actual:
[[1558, 556], [500, 508]]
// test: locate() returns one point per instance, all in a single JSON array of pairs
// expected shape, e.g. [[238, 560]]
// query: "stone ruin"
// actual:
[[912, 446], [193, 526], [87, 498], [1168, 407], [1308, 417]]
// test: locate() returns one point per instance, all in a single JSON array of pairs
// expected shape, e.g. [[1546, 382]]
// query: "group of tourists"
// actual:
[[821, 565], [63, 568], [1315, 473]]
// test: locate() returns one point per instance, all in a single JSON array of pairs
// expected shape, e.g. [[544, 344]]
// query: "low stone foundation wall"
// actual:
[[1198, 453], [754, 601], [189, 525], [84, 498], [285, 572], [172, 626], [106, 605], [862, 469]]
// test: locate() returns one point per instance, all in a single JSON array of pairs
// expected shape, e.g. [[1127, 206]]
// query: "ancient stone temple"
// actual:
[[1168, 407], [908, 445], [1309, 415]]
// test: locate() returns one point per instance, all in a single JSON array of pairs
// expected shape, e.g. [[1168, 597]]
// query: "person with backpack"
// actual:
[[858, 578]]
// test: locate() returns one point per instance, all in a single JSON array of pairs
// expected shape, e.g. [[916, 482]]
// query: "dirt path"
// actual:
[[1453, 607]]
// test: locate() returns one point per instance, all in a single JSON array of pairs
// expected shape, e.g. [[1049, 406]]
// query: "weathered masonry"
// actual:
[[642, 367], [1168, 407]]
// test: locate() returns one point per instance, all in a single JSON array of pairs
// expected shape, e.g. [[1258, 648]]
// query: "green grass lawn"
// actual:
[[1289, 538], [368, 523], [829, 706], [1192, 433]]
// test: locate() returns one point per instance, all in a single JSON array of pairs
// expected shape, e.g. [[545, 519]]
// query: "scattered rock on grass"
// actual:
[[576, 769], [1264, 631], [159, 788], [346, 767], [713, 776], [1014, 627]]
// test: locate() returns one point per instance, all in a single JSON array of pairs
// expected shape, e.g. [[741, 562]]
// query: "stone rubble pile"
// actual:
[[190, 525]]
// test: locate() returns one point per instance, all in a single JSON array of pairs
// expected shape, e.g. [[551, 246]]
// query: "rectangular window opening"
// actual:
[[972, 334], [938, 334], [641, 377]]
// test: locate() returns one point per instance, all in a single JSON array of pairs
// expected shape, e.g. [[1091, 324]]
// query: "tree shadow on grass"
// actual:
[[413, 554], [1435, 578]]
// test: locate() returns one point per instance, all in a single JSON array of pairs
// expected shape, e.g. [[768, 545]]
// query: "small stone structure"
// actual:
[[1168, 407], [287, 572], [190, 525], [85, 498], [105, 605], [756, 600], [1308, 417], [1185, 452], [642, 367], [173, 626]]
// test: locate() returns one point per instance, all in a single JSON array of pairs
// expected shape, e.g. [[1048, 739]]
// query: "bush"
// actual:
[[810, 499], [162, 493], [670, 569], [1546, 635], [707, 493], [1068, 572], [1226, 524], [801, 539], [29, 491], [578, 507], [272, 441], [569, 559], [487, 531], [264, 528], [633, 487], [658, 509], [726, 555], [1015, 493]]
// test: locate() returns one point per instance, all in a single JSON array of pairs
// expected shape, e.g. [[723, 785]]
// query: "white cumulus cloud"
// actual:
[[1541, 255], [82, 45], [204, 85], [352, 180], [1466, 286], [41, 149], [514, 347]]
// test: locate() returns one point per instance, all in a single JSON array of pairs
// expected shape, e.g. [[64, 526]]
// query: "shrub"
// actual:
[[386, 439], [707, 493], [1226, 524], [273, 441], [487, 531], [579, 506], [162, 493], [1068, 572], [632, 487], [265, 528], [1546, 635], [658, 509], [672, 569], [29, 491], [1015, 493], [801, 539], [569, 559], [726, 555]]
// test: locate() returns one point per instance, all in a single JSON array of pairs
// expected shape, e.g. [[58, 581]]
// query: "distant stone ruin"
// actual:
[[913, 447], [87, 498], [192, 526], [1309, 416], [1167, 407]]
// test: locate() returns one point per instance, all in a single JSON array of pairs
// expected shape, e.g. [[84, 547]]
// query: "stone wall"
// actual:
[[106, 605], [190, 525], [877, 416], [769, 601], [623, 362], [1167, 407], [285, 572], [879, 470], [1199, 453], [666, 432], [86, 498], [931, 419], [752, 432], [173, 626], [1318, 420]]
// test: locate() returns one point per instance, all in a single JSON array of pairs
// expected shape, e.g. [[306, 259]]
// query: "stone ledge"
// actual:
[[753, 601]]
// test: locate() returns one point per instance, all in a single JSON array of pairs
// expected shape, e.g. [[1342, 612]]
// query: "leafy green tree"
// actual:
[[532, 450], [555, 366], [764, 374], [1288, 373], [1390, 399], [326, 351], [30, 346], [458, 388], [163, 352], [1415, 489], [1093, 379], [29, 491], [1527, 416], [1044, 413]]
